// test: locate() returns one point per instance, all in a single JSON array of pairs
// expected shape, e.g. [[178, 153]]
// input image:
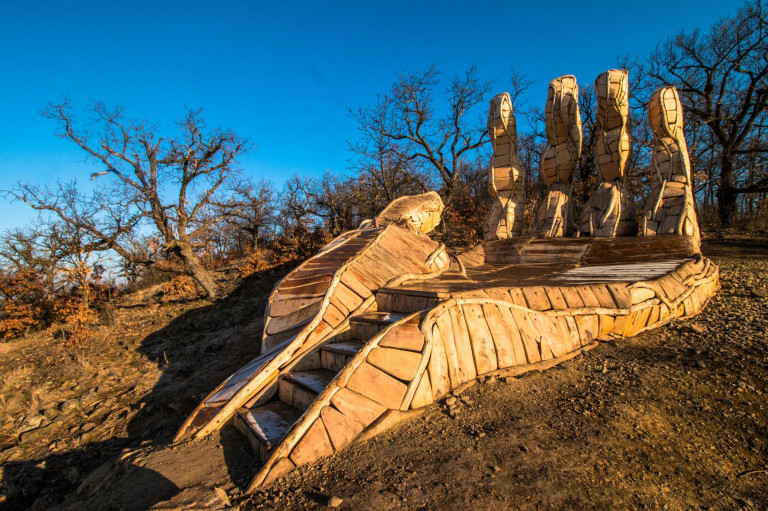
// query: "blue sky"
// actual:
[[285, 74]]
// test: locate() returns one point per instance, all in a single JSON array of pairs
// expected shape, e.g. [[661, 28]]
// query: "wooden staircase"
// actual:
[[267, 422]]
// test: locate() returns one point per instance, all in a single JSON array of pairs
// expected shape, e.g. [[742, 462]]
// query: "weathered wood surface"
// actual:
[[670, 207], [422, 212], [462, 338], [314, 302], [506, 179], [558, 163], [609, 211]]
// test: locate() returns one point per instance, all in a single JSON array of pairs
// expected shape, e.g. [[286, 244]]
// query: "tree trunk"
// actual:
[[726, 194], [194, 269]]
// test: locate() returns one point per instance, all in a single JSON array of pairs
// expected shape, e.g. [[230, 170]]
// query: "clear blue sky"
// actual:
[[285, 74]]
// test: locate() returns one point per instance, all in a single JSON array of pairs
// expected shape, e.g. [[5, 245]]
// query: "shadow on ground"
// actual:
[[196, 351]]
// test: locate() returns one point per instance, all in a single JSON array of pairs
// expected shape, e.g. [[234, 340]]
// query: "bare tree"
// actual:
[[405, 126], [250, 209], [722, 77], [172, 182]]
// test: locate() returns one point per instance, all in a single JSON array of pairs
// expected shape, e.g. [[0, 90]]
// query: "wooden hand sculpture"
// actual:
[[506, 181], [670, 207], [609, 211], [563, 126]]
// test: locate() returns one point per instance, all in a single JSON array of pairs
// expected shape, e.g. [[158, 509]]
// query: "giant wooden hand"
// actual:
[[670, 208], [609, 211]]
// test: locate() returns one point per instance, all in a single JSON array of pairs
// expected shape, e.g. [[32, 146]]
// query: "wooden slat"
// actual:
[[516, 338], [341, 429], [502, 339], [572, 297], [442, 332], [349, 298], [356, 406], [620, 295], [423, 395], [313, 445], [306, 278], [555, 297], [284, 307], [536, 298], [588, 296], [333, 315], [517, 297], [401, 364], [605, 324], [377, 385], [293, 319], [463, 345], [404, 337], [588, 327], [529, 335], [355, 285], [438, 371], [353, 273], [480, 336]]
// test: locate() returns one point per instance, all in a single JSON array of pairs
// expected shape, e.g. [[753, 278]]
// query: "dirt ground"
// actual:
[[674, 418]]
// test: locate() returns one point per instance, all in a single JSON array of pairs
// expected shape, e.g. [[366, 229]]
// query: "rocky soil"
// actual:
[[674, 418]]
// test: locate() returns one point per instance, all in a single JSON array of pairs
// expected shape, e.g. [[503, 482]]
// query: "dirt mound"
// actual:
[[675, 417]]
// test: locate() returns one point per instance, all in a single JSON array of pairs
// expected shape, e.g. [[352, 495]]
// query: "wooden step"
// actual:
[[365, 326], [265, 426], [406, 302], [300, 388], [335, 356]]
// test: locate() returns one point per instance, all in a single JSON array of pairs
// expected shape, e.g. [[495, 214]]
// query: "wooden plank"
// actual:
[[442, 332], [378, 386], [356, 406], [285, 307], [355, 285], [401, 364], [463, 345], [353, 272], [604, 297], [404, 337], [571, 296], [349, 298], [588, 326], [438, 371], [517, 296], [306, 278], [498, 293], [481, 339], [423, 395], [315, 289], [299, 317], [502, 339], [653, 318], [278, 470], [555, 298], [514, 331], [620, 295], [588, 296], [529, 334], [568, 325], [536, 298], [313, 445], [549, 345], [333, 315], [341, 429], [605, 324]]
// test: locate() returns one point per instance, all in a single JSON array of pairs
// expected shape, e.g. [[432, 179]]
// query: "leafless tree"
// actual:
[[404, 125], [172, 182], [249, 209], [722, 76]]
